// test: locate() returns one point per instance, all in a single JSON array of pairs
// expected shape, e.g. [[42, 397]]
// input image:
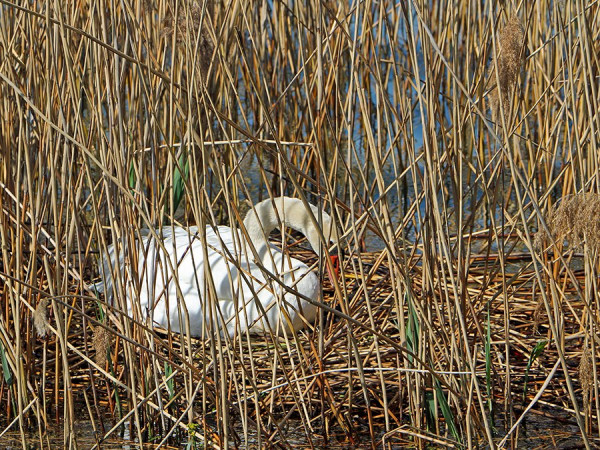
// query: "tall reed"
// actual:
[[121, 116]]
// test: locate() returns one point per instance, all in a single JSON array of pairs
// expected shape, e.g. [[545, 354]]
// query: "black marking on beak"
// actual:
[[337, 252]]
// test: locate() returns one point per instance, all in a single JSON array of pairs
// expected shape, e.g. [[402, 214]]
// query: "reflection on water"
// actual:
[[537, 431], [84, 434]]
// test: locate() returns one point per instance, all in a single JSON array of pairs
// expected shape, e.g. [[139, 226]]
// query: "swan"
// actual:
[[257, 287]]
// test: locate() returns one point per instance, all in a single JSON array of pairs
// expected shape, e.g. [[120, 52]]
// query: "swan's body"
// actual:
[[255, 286]]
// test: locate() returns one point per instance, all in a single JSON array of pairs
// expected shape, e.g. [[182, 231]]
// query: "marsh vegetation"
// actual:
[[455, 144]]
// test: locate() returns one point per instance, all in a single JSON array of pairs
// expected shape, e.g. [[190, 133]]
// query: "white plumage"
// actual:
[[255, 285]]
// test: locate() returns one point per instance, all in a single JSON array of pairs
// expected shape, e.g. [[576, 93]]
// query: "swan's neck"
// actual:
[[291, 212]]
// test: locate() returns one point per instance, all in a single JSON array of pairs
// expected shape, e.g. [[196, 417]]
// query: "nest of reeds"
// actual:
[[272, 378]]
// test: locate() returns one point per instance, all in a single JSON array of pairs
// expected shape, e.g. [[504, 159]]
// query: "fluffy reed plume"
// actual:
[[509, 60], [40, 317], [188, 26], [576, 219], [586, 376], [101, 341]]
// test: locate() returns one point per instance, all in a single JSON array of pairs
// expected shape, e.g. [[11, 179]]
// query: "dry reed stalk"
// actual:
[[383, 93]]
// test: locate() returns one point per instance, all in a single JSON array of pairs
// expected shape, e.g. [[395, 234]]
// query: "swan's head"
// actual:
[[269, 214], [327, 227], [332, 240]]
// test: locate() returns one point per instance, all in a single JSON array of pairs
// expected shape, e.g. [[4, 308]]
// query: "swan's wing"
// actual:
[[174, 269]]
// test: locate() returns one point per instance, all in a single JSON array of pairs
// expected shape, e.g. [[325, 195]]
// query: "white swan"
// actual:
[[255, 286]]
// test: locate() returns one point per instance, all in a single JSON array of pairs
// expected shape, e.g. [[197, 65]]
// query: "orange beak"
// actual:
[[335, 262]]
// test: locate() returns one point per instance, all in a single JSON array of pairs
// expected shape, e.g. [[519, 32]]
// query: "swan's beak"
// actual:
[[335, 262], [334, 256]]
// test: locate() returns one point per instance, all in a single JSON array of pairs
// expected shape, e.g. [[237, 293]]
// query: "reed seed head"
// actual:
[[40, 318], [101, 341], [509, 61], [539, 240], [586, 376], [512, 39], [188, 25], [576, 219]]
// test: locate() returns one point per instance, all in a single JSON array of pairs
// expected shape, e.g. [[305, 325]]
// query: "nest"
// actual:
[[351, 378]]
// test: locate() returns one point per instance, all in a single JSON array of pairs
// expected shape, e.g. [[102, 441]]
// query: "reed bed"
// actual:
[[455, 145]]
